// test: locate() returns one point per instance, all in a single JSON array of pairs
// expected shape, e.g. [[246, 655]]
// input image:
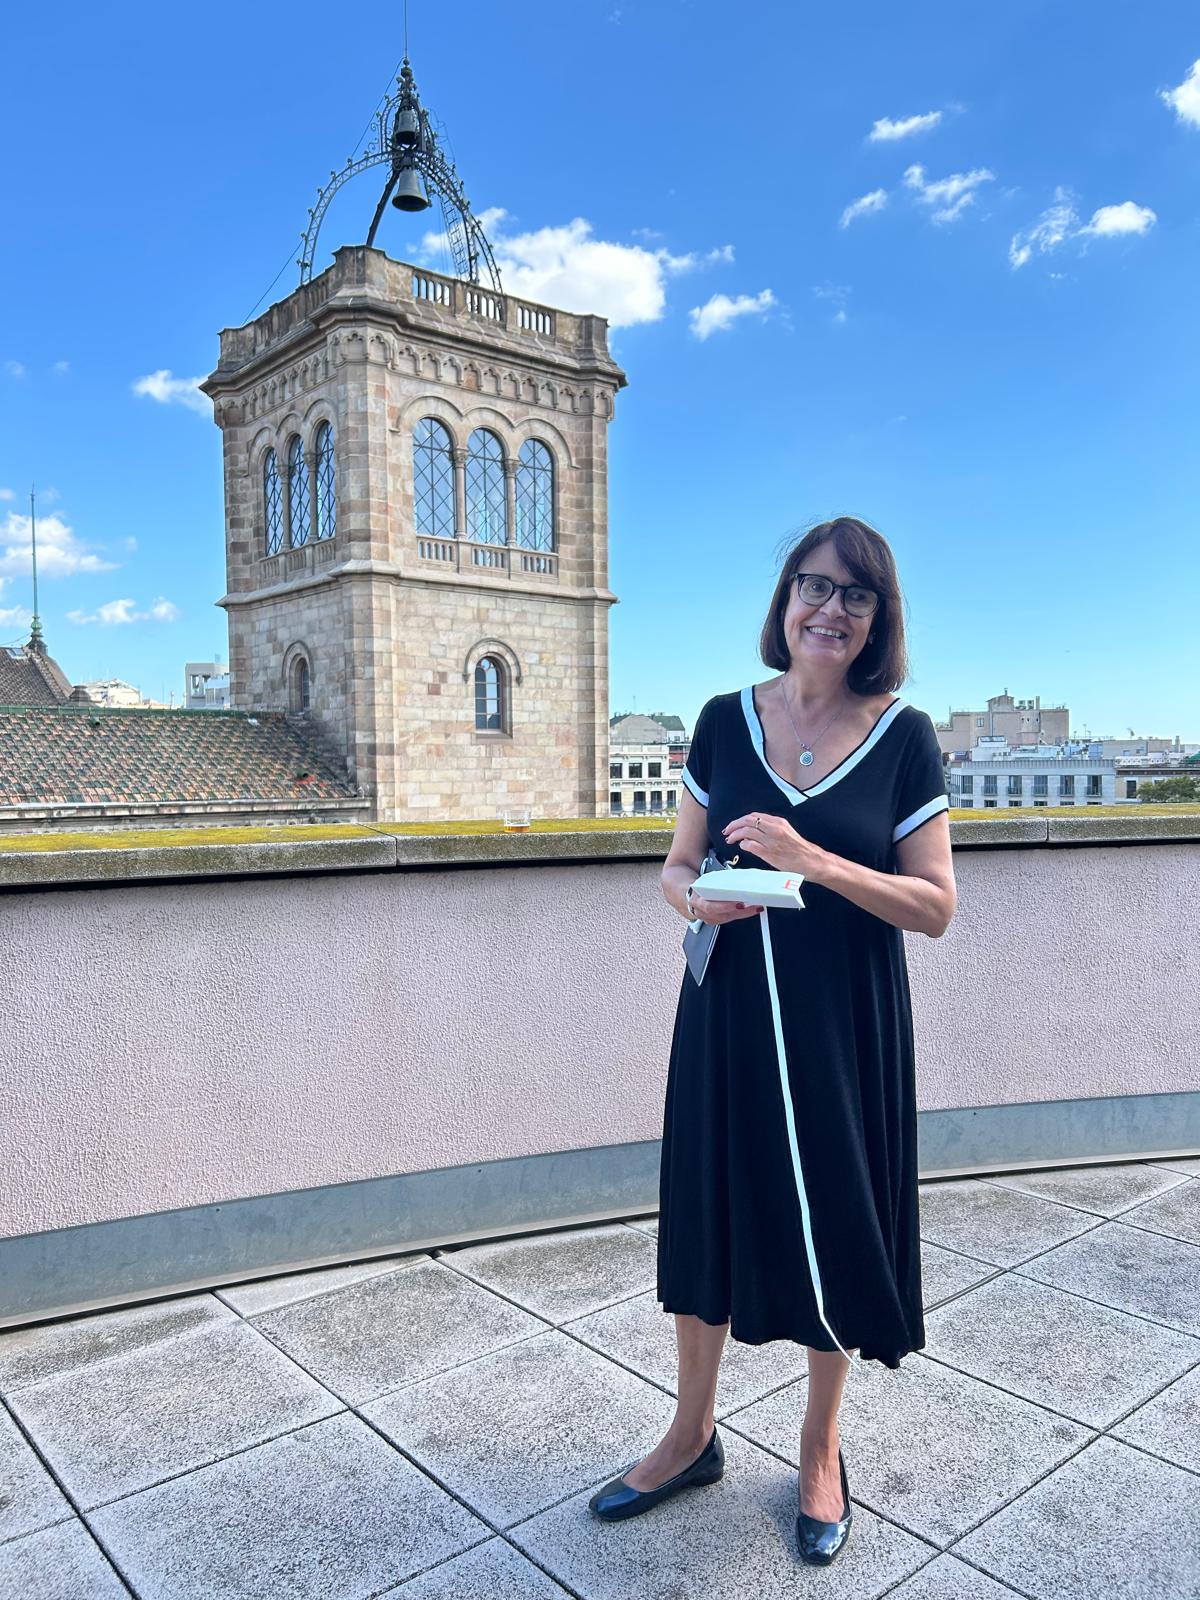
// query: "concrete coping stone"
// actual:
[[48, 860]]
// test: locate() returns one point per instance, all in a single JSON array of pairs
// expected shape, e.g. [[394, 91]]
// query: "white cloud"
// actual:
[[1110, 221], [836, 295], [7, 494], [1055, 225], [15, 369], [949, 196], [15, 617], [60, 553], [161, 386], [875, 201], [887, 129], [720, 312], [1059, 224], [567, 266], [62, 366], [1184, 98], [115, 613]]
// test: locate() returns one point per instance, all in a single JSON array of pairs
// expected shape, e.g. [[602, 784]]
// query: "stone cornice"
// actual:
[[439, 580]]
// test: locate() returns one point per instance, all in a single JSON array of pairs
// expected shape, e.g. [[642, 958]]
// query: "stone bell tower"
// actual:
[[416, 514]]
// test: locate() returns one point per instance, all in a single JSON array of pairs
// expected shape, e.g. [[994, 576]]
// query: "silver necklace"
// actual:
[[806, 751]]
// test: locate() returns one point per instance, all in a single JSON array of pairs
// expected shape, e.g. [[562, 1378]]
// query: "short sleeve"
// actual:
[[697, 773], [921, 792]]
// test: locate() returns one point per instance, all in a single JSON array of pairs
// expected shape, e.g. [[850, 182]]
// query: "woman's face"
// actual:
[[825, 633]]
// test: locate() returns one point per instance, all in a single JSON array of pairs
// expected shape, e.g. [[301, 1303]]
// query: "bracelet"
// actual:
[[687, 895]]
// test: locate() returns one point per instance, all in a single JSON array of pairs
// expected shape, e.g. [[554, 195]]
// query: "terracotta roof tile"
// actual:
[[93, 755]]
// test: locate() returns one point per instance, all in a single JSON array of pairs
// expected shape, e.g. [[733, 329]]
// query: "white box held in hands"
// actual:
[[753, 886]]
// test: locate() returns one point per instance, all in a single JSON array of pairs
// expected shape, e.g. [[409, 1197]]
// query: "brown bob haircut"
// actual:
[[881, 666]]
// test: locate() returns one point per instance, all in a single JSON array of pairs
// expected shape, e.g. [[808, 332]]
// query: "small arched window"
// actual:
[[326, 484], [272, 503], [535, 497], [298, 491], [433, 480], [299, 686], [487, 522], [491, 695]]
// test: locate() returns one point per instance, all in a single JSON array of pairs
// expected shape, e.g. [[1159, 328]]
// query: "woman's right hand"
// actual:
[[722, 910]]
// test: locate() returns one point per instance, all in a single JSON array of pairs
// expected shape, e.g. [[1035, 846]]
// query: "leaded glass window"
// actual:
[[301, 686], [486, 519], [298, 491], [272, 503], [326, 484], [489, 690], [535, 497], [433, 479]]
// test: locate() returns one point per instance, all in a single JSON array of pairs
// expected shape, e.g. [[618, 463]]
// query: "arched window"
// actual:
[[272, 503], [326, 484], [299, 686], [535, 497], [486, 519], [491, 710], [433, 479], [298, 491]]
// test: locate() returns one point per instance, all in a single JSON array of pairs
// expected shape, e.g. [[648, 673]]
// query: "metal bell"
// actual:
[[410, 192], [408, 128]]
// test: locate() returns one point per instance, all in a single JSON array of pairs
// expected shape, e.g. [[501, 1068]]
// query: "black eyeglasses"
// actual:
[[815, 589]]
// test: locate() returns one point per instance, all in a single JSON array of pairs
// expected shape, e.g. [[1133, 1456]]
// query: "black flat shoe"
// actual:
[[819, 1541], [619, 1499]]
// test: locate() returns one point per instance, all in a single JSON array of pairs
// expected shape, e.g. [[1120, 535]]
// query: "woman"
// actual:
[[789, 1174]]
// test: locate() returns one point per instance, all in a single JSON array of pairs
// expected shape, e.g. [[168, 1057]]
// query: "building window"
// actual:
[[654, 770], [989, 802], [299, 687], [672, 799], [614, 769], [1131, 788], [1014, 802], [635, 769], [656, 799], [979, 722], [1014, 784], [614, 800], [1039, 802], [490, 707], [968, 804], [989, 783], [433, 480], [1094, 786], [272, 503], [639, 800], [967, 783], [326, 484], [1066, 784], [298, 492], [535, 497], [1041, 783], [486, 518]]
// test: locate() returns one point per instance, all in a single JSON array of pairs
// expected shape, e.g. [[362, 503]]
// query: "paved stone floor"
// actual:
[[430, 1427]]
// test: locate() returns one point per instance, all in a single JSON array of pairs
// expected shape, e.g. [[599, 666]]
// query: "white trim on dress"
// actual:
[[931, 808], [798, 796], [693, 788]]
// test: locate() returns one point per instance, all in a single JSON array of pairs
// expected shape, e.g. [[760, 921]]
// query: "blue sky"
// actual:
[[976, 329]]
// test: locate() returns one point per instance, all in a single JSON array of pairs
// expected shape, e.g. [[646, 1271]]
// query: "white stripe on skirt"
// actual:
[[790, 1115]]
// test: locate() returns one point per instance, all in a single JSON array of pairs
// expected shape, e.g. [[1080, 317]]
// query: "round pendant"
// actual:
[[806, 758]]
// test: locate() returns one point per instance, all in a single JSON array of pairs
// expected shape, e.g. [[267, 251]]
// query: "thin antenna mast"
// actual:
[[35, 632]]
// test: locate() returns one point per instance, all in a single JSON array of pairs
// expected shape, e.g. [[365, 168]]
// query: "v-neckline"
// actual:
[[797, 796]]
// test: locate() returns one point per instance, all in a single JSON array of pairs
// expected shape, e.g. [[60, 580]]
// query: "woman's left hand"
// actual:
[[775, 841]]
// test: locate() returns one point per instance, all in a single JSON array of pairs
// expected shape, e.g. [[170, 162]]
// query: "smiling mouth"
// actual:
[[825, 633]]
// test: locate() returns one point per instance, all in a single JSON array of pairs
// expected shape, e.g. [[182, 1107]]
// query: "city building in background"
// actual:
[[416, 515], [646, 755], [113, 692], [995, 776], [206, 686], [1018, 722]]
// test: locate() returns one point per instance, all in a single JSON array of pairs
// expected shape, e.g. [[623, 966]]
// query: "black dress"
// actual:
[[788, 1186]]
